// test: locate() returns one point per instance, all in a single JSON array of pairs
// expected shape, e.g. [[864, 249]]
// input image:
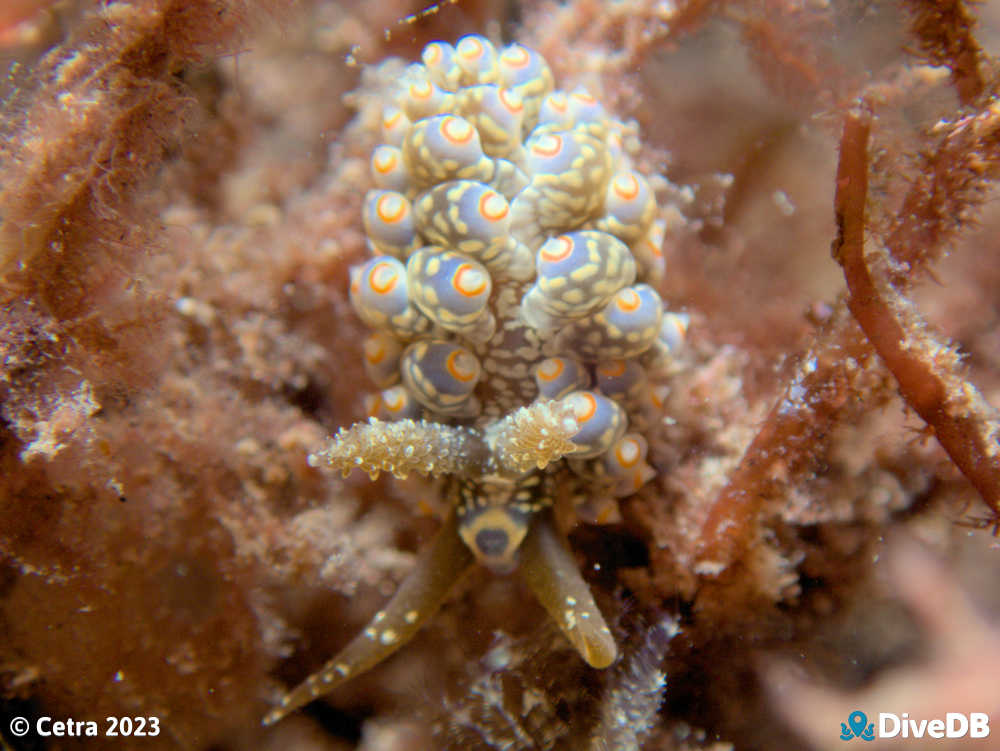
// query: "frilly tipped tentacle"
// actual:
[[550, 571], [417, 599], [402, 447], [532, 436]]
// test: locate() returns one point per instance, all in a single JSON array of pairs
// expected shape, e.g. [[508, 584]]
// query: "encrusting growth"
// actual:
[[516, 335]]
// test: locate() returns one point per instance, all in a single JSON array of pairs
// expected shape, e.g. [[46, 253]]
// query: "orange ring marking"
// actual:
[[391, 120], [550, 369], [384, 161], [464, 133], [558, 102], [383, 278], [612, 369], [394, 212], [464, 288], [627, 192], [584, 406], [632, 447], [374, 352], [493, 206], [421, 90], [511, 101], [433, 54], [516, 57], [463, 372], [548, 146], [563, 252], [471, 54], [628, 300]]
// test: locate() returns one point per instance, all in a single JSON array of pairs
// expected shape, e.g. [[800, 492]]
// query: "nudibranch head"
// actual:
[[517, 335], [493, 520]]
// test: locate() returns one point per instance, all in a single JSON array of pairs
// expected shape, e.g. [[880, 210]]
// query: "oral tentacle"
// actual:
[[551, 572], [418, 598]]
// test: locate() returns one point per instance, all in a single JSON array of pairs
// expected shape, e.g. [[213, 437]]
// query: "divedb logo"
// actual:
[[953, 725]]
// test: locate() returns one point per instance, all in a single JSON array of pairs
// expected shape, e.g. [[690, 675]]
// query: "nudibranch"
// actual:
[[517, 333]]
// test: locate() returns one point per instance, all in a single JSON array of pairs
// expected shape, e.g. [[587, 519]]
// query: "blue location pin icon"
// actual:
[[857, 720]]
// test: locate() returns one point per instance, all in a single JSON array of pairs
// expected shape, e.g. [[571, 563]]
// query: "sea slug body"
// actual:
[[517, 332]]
